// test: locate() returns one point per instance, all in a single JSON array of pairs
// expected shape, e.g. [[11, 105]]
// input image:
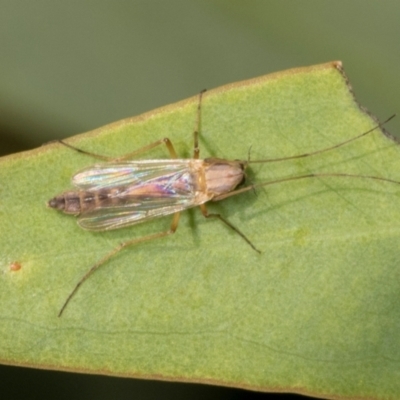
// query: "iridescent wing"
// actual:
[[109, 175], [132, 192]]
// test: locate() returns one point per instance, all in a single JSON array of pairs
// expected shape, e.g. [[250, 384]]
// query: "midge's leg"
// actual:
[[196, 149], [204, 211], [127, 156], [196, 154], [166, 141], [172, 229]]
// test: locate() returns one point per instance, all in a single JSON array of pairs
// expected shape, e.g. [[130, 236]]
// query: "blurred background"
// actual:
[[72, 66]]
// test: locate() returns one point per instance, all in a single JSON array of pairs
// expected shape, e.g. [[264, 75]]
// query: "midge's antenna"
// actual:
[[298, 177], [122, 192], [310, 175], [313, 153]]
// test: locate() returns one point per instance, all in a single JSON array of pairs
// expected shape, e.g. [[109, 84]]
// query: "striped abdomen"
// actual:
[[83, 201]]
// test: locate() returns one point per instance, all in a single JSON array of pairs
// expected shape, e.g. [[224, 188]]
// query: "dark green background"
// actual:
[[72, 66]]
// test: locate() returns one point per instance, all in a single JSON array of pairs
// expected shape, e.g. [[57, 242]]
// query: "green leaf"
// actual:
[[316, 312]]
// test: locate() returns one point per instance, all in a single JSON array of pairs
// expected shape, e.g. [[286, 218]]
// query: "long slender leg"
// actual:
[[196, 149], [204, 211], [127, 156], [112, 253], [165, 141]]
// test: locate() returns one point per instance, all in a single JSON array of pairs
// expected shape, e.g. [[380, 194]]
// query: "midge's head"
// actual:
[[223, 176]]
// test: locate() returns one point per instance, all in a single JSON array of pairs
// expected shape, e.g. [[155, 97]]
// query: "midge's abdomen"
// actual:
[[83, 201]]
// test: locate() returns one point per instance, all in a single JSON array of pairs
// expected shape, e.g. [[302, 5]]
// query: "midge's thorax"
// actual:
[[113, 195]]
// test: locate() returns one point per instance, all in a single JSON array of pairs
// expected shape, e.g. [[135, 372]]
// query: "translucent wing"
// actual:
[[132, 192], [109, 175], [119, 217]]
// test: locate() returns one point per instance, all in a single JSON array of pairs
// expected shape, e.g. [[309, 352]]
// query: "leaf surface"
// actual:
[[316, 312]]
